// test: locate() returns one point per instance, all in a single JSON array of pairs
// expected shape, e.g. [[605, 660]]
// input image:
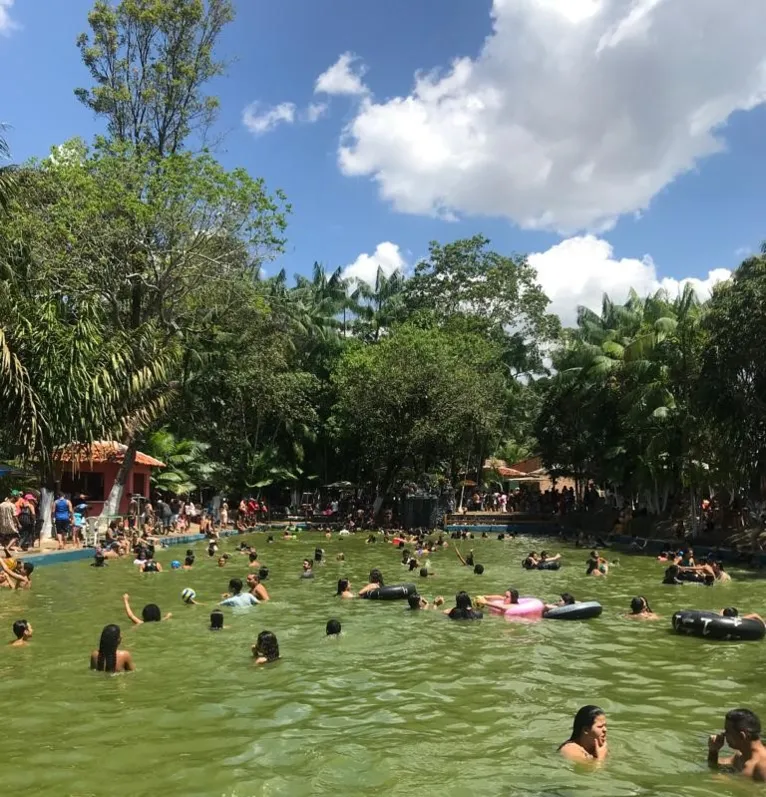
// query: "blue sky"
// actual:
[[593, 121]]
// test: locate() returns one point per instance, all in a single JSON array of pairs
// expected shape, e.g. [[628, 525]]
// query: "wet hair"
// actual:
[[106, 660], [543, 554], [463, 609], [672, 572], [267, 646], [376, 577], [568, 598], [592, 565], [263, 573], [318, 554], [730, 612], [189, 552], [189, 561], [413, 563], [19, 627], [216, 620], [584, 720], [235, 585], [307, 562], [333, 627], [478, 569], [514, 595], [28, 568], [253, 557], [424, 572], [342, 586], [463, 600], [99, 559], [414, 600], [151, 613], [638, 604], [742, 720]]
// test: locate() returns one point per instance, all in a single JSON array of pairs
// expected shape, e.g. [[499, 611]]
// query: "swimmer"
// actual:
[[588, 739], [236, 597], [425, 573], [216, 620], [344, 589], [463, 608], [188, 562], [149, 565], [508, 598], [596, 568], [222, 561], [545, 558], [742, 732], [22, 630], [376, 581], [99, 560], [256, 588], [419, 602], [531, 562], [266, 648], [341, 557], [319, 555], [478, 570], [333, 628], [671, 576], [733, 612], [253, 559], [720, 575], [108, 657], [467, 560], [149, 614], [640, 609], [566, 600], [307, 569], [17, 576]]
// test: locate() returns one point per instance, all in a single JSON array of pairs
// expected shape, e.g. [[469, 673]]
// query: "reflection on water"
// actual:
[[403, 703]]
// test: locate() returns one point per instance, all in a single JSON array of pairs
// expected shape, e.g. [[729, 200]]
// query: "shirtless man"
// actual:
[[742, 732]]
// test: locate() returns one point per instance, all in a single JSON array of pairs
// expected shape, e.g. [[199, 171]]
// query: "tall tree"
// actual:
[[150, 61]]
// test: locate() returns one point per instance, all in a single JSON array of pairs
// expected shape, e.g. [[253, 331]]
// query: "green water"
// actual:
[[404, 703]]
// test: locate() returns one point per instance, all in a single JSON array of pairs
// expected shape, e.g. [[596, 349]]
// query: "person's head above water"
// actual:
[[263, 573], [730, 611], [333, 627], [216, 620], [22, 629], [151, 613], [376, 577], [266, 646], [568, 598], [253, 557], [343, 585], [742, 727], [589, 726], [235, 586], [463, 600], [478, 569], [307, 564], [424, 572], [414, 601], [106, 660], [512, 595], [639, 605]]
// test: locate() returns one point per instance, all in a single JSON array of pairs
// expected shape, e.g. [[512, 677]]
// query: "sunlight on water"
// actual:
[[403, 703]]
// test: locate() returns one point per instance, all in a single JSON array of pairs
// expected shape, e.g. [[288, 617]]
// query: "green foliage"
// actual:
[[149, 61], [188, 465]]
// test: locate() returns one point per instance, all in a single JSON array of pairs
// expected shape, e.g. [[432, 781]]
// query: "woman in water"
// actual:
[[149, 614], [253, 557], [266, 648], [596, 568], [344, 589], [216, 620], [640, 609], [463, 609], [567, 599], [376, 581], [588, 739], [509, 597], [417, 601], [108, 657]]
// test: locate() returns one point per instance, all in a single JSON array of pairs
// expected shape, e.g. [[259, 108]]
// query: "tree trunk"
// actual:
[[112, 503], [47, 495]]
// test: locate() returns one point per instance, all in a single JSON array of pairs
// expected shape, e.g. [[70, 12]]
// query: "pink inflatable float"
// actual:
[[526, 608]]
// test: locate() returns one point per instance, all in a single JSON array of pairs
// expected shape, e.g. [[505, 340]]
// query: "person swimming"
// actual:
[[308, 571], [588, 739], [22, 631], [216, 620], [333, 628], [376, 581], [344, 589], [566, 599], [671, 575], [266, 648], [149, 614], [742, 732], [108, 657], [640, 609], [463, 608], [237, 597], [508, 598]]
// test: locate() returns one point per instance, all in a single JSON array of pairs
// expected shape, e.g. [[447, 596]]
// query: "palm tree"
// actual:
[[188, 467], [7, 174], [378, 304]]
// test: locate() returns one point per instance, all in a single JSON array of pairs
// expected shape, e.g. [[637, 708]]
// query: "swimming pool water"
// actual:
[[403, 703]]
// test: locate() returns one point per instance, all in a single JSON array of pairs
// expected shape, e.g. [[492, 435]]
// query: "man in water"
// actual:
[[307, 569], [742, 732]]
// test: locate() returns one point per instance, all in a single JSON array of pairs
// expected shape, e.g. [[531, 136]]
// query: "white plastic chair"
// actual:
[[91, 532]]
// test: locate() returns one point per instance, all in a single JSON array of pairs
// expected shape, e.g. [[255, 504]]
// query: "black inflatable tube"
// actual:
[[710, 625], [552, 565], [575, 611], [393, 592]]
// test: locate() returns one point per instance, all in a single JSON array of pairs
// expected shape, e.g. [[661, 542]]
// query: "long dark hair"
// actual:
[[342, 586], [376, 577], [267, 646], [584, 720], [107, 649]]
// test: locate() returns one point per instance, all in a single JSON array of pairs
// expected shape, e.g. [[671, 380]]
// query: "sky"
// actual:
[[616, 143]]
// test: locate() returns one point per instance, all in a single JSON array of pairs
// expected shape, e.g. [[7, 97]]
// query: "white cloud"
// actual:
[[315, 111], [365, 268], [6, 23], [262, 122], [343, 77], [574, 112], [578, 271]]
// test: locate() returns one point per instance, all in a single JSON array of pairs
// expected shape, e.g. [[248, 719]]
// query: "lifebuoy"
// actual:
[[710, 625], [393, 592], [575, 611]]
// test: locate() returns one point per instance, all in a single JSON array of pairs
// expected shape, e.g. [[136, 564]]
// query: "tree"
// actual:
[[379, 305], [149, 61], [414, 399], [188, 464]]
